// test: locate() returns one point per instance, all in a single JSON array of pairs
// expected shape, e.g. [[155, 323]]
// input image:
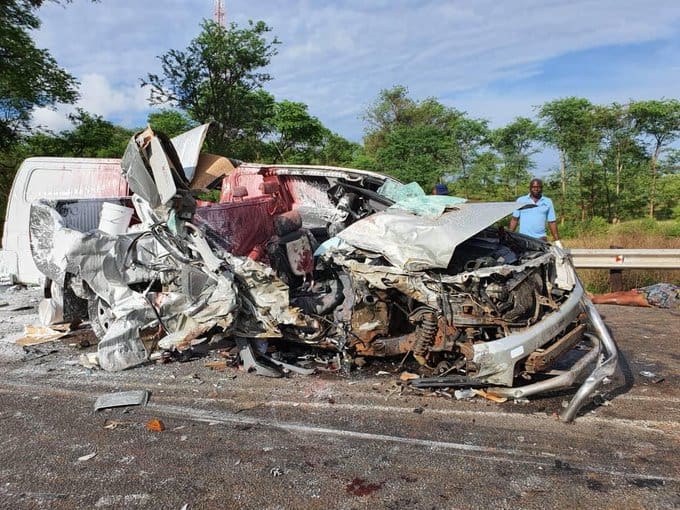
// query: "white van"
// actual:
[[60, 179]]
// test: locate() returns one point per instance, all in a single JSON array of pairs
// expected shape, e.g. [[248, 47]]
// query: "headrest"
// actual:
[[239, 192], [287, 222], [269, 187]]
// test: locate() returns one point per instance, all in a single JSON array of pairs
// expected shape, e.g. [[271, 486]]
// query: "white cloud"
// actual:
[[125, 103], [103, 98], [53, 120], [336, 56]]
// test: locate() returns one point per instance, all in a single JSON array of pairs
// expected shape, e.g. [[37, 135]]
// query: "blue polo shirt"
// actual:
[[532, 220]]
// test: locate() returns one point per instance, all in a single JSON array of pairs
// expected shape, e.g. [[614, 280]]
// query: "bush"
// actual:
[[670, 228], [636, 227]]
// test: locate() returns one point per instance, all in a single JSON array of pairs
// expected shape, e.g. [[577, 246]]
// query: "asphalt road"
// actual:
[[236, 440]]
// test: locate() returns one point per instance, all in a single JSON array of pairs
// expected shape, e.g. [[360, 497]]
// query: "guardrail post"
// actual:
[[615, 276]]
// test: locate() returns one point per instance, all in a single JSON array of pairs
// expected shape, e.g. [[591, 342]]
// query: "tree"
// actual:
[[294, 133], [219, 78], [516, 142], [90, 137], [568, 126], [620, 156], [29, 76], [468, 137], [658, 121], [171, 122], [414, 140], [337, 151]]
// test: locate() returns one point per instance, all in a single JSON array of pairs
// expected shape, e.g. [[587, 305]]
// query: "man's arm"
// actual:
[[553, 229], [513, 224]]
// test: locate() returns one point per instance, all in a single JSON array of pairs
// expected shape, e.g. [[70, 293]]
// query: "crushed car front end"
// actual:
[[331, 258]]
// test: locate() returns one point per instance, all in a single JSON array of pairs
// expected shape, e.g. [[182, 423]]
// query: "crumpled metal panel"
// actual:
[[188, 146], [50, 241], [415, 243]]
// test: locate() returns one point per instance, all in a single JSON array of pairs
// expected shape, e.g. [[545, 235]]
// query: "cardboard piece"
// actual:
[[209, 168]]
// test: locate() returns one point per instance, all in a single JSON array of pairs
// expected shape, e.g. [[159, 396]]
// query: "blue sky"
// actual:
[[494, 60]]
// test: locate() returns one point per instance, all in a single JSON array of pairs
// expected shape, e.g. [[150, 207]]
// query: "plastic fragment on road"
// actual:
[[114, 424], [122, 399], [408, 376], [218, 366], [463, 394], [491, 396], [89, 360], [87, 457], [155, 426]]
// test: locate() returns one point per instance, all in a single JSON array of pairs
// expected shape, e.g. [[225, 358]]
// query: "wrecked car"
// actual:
[[345, 260]]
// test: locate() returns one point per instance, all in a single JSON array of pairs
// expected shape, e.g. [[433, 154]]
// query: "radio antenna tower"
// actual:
[[220, 13]]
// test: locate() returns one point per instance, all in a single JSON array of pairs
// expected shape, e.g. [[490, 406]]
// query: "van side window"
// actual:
[[60, 183]]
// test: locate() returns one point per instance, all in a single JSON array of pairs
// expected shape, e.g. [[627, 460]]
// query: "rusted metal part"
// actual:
[[446, 336], [370, 319], [387, 346], [542, 359]]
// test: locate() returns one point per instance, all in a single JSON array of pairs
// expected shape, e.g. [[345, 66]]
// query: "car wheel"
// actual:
[[101, 317]]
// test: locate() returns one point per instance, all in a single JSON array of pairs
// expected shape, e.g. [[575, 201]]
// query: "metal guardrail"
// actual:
[[625, 258]]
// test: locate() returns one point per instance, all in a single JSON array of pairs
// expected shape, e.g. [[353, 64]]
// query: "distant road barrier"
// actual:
[[625, 258], [618, 259]]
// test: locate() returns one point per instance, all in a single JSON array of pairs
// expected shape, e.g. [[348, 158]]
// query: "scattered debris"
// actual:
[[89, 360], [408, 376], [87, 457], [464, 394], [155, 425], [647, 374], [122, 398], [114, 424], [218, 366], [35, 335], [491, 396], [276, 471]]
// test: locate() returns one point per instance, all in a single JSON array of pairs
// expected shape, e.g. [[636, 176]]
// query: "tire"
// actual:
[[100, 316]]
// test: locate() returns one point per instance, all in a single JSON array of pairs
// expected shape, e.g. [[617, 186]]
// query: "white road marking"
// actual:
[[461, 449]]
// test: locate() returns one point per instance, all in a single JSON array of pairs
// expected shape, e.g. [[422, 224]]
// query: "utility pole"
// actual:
[[220, 13]]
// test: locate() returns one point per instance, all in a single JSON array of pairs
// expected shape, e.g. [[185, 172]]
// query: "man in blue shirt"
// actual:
[[532, 220]]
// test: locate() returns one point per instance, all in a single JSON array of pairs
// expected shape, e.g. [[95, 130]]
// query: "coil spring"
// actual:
[[425, 335]]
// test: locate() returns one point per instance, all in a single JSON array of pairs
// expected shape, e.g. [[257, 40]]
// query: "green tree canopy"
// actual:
[[421, 141], [219, 78], [516, 142], [294, 133], [658, 121], [171, 122], [29, 76], [90, 137]]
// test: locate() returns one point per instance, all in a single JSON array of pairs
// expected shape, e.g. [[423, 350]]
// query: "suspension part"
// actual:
[[425, 336]]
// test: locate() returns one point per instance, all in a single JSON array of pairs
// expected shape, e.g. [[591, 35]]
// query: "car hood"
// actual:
[[416, 243]]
